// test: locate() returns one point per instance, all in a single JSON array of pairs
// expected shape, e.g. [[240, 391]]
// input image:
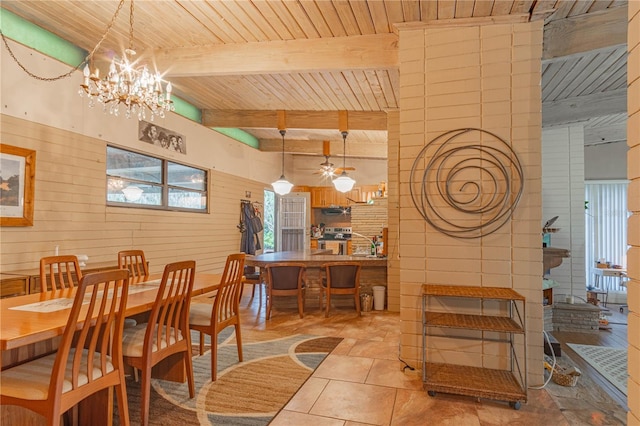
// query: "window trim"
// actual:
[[164, 185]]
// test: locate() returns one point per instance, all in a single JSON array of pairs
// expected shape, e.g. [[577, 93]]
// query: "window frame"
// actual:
[[164, 185]]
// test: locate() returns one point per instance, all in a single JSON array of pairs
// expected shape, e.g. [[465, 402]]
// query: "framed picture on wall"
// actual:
[[159, 136], [17, 185]]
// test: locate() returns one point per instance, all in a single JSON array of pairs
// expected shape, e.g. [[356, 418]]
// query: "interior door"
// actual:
[[293, 223]]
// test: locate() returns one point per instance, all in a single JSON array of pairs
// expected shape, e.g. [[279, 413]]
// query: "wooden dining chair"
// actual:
[[167, 331], [211, 320], [252, 277], [135, 262], [59, 272], [88, 360], [286, 279], [340, 278]]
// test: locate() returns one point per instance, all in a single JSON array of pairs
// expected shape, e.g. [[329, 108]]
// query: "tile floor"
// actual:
[[363, 382]]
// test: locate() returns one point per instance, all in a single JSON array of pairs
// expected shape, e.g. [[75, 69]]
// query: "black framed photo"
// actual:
[[159, 136]]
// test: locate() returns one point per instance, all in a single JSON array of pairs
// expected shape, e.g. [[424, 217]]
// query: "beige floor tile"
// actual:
[[304, 399], [375, 349], [291, 418], [390, 373], [345, 346], [347, 368], [356, 402], [362, 381], [417, 408]]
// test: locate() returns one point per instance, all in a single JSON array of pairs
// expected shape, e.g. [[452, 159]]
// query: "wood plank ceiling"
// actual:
[[242, 61]]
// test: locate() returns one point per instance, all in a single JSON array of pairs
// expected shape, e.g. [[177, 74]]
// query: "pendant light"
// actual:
[[344, 183], [282, 186]]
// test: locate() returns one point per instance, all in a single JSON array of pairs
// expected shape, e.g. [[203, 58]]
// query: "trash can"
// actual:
[[366, 302], [378, 297]]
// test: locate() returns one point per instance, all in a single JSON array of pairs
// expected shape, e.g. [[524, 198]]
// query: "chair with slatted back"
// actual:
[[340, 278], [59, 272], [167, 331], [55, 383], [135, 262], [286, 279], [254, 278], [211, 320]]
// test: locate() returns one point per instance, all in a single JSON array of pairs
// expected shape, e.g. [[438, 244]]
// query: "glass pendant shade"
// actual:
[[343, 183], [282, 186]]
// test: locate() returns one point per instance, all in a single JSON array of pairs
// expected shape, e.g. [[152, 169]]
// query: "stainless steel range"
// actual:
[[335, 236], [332, 233]]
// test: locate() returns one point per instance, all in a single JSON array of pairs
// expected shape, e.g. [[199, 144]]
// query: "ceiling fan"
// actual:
[[327, 168]]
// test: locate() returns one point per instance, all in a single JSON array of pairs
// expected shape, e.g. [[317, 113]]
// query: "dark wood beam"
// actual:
[[586, 32], [358, 120]]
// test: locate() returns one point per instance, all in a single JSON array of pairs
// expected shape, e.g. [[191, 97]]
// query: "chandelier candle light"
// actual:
[[344, 183], [282, 186], [137, 89]]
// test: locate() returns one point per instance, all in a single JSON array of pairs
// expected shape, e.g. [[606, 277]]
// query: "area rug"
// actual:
[[610, 362], [249, 393]]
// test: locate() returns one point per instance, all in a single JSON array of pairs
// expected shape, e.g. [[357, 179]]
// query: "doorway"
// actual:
[[293, 222]]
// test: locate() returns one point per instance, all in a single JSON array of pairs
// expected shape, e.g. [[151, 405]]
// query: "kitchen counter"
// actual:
[[372, 273], [312, 259]]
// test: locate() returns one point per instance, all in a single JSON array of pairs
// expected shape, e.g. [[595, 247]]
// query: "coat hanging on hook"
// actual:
[[250, 225]]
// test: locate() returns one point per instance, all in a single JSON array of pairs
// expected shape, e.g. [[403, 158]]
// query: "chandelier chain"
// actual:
[[130, 26], [77, 67]]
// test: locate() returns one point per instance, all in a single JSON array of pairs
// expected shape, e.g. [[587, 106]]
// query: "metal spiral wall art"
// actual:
[[466, 183]]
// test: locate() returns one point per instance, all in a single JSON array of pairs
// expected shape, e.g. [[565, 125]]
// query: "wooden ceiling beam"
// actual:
[[306, 147], [582, 108], [358, 120], [586, 32], [376, 51]]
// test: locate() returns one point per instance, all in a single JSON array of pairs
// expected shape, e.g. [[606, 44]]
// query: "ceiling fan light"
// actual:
[[282, 186], [344, 183]]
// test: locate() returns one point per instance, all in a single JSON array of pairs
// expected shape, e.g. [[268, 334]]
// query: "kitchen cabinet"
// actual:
[[328, 196], [440, 318], [322, 196], [343, 199], [300, 188]]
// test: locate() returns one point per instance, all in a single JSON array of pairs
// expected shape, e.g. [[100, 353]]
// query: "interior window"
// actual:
[[135, 179]]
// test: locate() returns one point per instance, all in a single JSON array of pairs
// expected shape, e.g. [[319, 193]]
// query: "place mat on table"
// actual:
[[54, 305]]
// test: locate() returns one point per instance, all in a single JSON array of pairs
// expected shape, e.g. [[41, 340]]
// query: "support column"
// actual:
[[485, 77], [633, 230]]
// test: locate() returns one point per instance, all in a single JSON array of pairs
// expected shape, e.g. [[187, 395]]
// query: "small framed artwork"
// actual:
[[17, 185], [159, 136]]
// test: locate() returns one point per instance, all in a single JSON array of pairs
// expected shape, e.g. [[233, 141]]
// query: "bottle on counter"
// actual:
[[373, 246]]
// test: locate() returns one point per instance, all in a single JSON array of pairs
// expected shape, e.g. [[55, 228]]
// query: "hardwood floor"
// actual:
[[614, 336]]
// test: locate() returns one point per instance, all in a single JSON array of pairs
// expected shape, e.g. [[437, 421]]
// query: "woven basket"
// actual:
[[565, 377]]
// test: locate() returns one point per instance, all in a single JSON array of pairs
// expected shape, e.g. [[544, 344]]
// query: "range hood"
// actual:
[[335, 211]]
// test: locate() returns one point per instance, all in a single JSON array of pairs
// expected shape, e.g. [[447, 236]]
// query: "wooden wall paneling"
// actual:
[[71, 211]]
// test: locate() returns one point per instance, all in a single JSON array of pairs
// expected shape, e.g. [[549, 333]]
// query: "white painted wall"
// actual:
[[563, 196], [606, 161]]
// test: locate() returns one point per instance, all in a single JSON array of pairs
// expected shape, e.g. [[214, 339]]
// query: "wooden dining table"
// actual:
[[27, 331]]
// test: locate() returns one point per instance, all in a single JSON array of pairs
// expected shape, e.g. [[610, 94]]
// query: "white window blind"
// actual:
[[606, 224]]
